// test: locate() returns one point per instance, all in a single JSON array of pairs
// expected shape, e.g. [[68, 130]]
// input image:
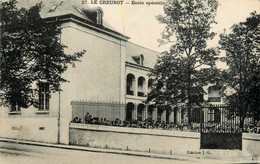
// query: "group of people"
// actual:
[[148, 124], [151, 124]]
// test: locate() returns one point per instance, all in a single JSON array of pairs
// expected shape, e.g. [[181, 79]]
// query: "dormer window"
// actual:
[[94, 14], [99, 17], [139, 59]]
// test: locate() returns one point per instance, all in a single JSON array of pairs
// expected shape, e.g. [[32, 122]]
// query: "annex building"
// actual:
[[110, 82]]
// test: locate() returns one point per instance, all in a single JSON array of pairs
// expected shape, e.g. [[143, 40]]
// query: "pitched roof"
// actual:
[[133, 50], [55, 8]]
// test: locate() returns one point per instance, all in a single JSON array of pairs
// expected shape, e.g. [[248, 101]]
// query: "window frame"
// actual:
[[43, 96], [211, 115]]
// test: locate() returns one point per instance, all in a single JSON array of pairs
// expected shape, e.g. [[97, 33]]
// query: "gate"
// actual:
[[220, 128]]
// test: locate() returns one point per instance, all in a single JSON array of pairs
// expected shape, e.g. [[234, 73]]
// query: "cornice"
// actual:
[[88, 24], [138, 66]]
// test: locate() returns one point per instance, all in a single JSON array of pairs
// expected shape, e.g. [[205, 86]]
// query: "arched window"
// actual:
[[99, 17], [141, 86], [129, 111], [140, 111], [130, 84], [150, 84]]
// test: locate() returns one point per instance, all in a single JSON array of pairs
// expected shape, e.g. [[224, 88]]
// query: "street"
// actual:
[[61, 156]]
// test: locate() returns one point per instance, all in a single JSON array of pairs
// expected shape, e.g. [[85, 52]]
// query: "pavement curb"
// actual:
[[81, 148], [122, 152]]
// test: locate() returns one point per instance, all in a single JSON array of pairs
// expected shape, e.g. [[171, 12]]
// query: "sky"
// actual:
[[139, 22]]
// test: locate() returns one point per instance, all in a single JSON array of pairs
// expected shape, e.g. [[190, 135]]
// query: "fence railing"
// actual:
[[207, 119]]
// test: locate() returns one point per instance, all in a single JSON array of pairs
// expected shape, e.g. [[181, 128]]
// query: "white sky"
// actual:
[[141, 25]]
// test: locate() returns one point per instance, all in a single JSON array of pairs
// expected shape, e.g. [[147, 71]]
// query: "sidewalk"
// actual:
[[129, 153]]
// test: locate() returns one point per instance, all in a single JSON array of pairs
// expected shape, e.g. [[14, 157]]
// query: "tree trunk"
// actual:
[[189, 97]]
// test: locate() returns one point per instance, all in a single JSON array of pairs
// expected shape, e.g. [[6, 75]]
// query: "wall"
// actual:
[[251, 145], [100, 75], [31, 124], [42, 128], [97, 76], [157, 141]]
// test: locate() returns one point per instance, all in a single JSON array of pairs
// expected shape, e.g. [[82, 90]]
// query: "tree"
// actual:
[[30, 51], [181, 73], [242, 56]]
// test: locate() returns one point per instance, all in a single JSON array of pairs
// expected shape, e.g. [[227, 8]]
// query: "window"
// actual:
[[150, 84], [44, 96], [140, 110], [130, 84], [150, 113], [141, 59], [159, 115], [211, 115], [141, 84]]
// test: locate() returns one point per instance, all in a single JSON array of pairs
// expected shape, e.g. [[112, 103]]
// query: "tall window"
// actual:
[[44, 96], [150, 113], [211, 115], [130, 86], [159, 114], [141, 84]]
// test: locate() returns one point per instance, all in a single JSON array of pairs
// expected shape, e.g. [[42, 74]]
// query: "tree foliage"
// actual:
[[181, 73], [242, 56], [30, 51]]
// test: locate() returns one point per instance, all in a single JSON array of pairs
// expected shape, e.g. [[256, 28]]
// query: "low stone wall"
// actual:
[[135, 139], [251, 145], [155, 141]]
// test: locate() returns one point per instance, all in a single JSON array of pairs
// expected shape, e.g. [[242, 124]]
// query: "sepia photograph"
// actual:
[[129, 81]]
